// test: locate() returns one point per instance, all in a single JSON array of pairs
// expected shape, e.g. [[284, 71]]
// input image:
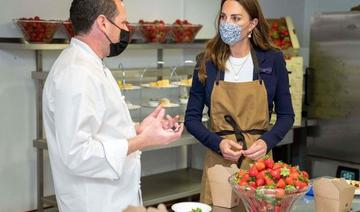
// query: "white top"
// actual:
[[87, 124], [239, 69]]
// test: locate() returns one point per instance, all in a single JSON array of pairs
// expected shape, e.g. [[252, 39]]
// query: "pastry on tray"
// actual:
[[165, 102], [125, 85], [186, 82], [160, 83]]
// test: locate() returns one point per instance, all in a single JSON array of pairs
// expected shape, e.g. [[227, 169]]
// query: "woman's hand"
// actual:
[[230, 150], [257, 150]]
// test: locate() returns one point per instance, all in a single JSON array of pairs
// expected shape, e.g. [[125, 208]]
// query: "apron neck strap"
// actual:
[[256, 67], [256, 64]]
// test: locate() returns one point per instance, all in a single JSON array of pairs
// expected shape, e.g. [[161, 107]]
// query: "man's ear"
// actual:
[[101, 23]]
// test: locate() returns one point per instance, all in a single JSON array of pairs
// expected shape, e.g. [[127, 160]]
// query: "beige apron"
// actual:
[[239, 111]]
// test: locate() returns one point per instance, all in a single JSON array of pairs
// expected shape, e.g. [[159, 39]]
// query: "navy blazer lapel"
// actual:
[[260, 58]]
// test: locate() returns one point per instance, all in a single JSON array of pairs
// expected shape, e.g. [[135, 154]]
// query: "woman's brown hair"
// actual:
[[218, 52]]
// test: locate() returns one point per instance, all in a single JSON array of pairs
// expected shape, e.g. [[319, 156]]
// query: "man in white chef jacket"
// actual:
[[93, 143]]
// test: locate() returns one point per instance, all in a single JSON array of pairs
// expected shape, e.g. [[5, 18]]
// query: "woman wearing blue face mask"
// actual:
[[239, 77]]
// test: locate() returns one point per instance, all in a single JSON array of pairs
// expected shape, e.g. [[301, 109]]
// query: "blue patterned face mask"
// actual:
[[230, 33]]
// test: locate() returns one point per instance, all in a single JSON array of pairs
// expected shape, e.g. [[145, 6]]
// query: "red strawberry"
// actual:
[[252, 184], [260, 165], [294, 169], [277, 166], [269, 163], [277, 208], [305, 174], [281, 184], [280, 193], [253, 172], [275, 173], [300, 185], [289, 181], [261, 175], [260, 182], [294, 176], [243, 183], [269, 181]]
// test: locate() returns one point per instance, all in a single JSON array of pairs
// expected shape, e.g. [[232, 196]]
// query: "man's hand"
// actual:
[[168, 123], [156, 134], [257, 150], [230, 150]]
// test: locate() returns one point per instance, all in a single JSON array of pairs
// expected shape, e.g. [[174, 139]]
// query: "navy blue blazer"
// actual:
[[275, 75]]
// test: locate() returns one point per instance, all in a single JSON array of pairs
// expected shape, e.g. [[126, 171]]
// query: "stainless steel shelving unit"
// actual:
[[156, 188]]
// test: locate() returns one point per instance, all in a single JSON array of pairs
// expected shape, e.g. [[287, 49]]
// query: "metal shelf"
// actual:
[[59, 44], [186, 139], [170, 186], [162, 187]]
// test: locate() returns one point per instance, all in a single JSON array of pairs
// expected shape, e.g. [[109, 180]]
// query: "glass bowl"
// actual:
[[156, 32], [266, 200], [184, 33], [38, 31], [69, 30]]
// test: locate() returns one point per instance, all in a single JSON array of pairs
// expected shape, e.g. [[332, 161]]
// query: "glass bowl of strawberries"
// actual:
[[36, 30], [269, 186], [154, 31], [182, 31], [69, 30]]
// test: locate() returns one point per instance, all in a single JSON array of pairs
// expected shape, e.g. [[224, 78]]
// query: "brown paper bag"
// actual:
[[221, 191], [333, 195]]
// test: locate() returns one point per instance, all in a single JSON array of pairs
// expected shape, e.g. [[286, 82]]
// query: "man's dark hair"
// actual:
[[84, 12]]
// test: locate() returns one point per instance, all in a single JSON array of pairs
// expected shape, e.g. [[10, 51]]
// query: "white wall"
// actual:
[[17, 104]]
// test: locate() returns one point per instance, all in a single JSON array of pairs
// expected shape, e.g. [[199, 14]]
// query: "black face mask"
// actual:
[[118, 48]]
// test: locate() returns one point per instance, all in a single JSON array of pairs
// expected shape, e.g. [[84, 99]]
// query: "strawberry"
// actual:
[[261, 175], [281, 184], [277, 165], [260, 165], [275, 174], [294, 176], [294, 169], [252, 184], [305, 174], [277, 208], [300, 185], [280, 193], [284, 172], [243, 183], [253, 172], [269, 181], [269, 163], [246, 177], [260, 182], [289, 181]]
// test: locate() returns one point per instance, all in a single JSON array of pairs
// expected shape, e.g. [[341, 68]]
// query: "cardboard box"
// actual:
[[221, 191], [333, 195]]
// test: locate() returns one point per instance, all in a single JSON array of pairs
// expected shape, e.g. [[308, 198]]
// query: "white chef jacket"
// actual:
[[87, 125]]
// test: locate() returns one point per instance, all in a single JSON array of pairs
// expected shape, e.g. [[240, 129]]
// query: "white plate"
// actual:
[[183, 101], [180, 84], [134, 87], [167, 106], [133, 107], [188, 206], [149, 86], [357, 190]]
